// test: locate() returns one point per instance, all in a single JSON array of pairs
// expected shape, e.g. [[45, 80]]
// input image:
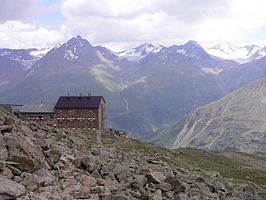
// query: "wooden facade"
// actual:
[[80, 112]]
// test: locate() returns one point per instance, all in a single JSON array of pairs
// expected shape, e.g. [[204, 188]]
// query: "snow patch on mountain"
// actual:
[[71, 55], [181, 51], [5, 53], [214, 70], [241, 54], [140, 52], [39, 53]]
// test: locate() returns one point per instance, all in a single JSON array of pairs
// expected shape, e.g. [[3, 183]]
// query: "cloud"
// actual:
[[17, 10], [121, 24], [16, 34], [125, 21]]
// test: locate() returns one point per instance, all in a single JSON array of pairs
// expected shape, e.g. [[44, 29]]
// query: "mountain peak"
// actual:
[[79, 37], [145, 45], [78, 41], [193, 44]]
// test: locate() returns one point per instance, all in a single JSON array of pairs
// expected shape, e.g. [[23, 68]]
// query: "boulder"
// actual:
[[10, 189], [165, 187], [139, 182], [30, 182], [177, 185], [6, 172], [8, 121], [157, 195], [86, 163], [77, 162], [14, 170], [86, 181], [44, 177], [155, 177], [53, 156], [121, 172], [3, 150], [23, 152]]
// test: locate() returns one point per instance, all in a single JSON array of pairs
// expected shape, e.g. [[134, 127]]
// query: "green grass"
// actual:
[[238, 172]]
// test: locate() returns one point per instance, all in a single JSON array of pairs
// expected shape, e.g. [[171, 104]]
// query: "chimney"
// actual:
[[68, 96], [80, 95], [41, 101]]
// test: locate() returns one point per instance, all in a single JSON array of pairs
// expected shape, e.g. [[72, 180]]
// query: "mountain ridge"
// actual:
[[235, 122], [143, 94]]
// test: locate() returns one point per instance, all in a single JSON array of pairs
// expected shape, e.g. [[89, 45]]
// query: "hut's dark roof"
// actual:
[[78, 102], [37, 108]]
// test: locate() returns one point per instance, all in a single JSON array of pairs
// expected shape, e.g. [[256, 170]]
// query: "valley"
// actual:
[[146, 87]]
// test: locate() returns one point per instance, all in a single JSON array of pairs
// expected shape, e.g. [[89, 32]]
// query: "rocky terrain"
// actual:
[[43, 163]]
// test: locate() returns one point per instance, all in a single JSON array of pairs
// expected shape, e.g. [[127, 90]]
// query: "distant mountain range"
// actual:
[[145, 87], [236, 122], [241, 54]]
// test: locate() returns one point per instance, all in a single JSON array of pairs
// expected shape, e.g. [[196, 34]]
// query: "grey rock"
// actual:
[[3, 150], [96, 152], [177, 185], [97, 189], [165, 187], [10, 189], [157, 195], [53, 156], [30, 183], [155, 177], [87, 181], [6, 172], [100, 182], [44, 177], [23, 152], [121, 172], [96, 174], [14, 170]]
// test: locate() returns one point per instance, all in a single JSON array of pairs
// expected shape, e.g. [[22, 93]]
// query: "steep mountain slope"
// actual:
[[236, 122], [160, 84], [245, 73], [14, 64]]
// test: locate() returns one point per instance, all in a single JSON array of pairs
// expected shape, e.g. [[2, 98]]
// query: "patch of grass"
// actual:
[[227, 167]]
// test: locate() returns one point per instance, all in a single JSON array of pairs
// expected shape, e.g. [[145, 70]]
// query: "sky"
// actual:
[[124, 24]]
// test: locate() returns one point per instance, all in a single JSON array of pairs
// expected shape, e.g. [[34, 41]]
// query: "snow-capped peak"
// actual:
[[239, 53], [139, 52]]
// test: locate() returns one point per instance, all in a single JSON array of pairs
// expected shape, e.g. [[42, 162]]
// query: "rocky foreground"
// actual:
[[42, 163]]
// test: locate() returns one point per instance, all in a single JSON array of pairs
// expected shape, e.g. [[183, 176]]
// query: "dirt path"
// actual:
[[98, 138]]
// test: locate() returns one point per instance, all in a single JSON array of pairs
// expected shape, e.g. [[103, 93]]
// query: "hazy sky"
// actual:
[[121, 24]]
